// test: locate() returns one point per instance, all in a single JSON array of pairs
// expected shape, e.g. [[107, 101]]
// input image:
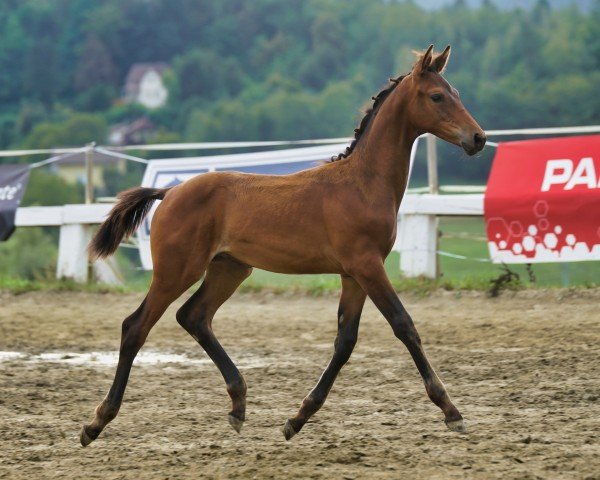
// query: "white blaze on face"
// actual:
[[584, 174], [558, 172]]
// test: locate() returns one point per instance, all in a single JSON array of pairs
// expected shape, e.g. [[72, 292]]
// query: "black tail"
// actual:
[[124, 219]]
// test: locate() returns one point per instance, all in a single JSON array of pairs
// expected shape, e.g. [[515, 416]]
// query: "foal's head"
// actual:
[[434, 105]]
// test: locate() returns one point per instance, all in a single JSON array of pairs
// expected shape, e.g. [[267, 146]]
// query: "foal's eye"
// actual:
[[437, 97]]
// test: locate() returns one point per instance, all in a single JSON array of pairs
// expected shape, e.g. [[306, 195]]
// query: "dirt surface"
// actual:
[[524, 369]]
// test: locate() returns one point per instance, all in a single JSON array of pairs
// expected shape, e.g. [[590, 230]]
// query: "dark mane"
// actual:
[[369, 115]]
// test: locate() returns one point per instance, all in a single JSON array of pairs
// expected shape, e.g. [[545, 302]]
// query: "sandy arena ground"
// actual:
[[524, 369]]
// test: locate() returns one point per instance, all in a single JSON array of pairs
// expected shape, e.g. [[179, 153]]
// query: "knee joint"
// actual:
[[345, 345], [406, 332], [182, 317], [132, 336], [129, 324], [194, 322]]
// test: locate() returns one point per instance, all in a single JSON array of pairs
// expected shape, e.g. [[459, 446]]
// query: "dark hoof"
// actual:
[[457, 426], [236, 423], [86, 436], [288, 430]]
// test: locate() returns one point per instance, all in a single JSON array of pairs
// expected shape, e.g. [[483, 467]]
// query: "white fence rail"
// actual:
[[417, 232]]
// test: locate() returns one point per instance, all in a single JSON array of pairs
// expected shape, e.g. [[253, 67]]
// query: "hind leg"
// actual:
[[135, 329], [223, 277]]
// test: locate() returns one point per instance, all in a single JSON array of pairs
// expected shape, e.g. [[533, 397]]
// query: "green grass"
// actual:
[[18, 286]]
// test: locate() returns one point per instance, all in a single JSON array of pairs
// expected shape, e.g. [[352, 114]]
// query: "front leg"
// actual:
[[351, 304], [371, 276]]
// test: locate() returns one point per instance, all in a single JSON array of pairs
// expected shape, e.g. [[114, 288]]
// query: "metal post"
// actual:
[[89, 173], [89, 197]]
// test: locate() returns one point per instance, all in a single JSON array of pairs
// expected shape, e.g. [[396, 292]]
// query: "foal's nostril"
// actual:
[[479, 141]]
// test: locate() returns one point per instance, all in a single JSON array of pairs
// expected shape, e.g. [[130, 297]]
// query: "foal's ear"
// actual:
[[441, 60], [424, 61]]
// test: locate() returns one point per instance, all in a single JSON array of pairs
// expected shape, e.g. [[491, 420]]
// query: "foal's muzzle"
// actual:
[[475, 143]]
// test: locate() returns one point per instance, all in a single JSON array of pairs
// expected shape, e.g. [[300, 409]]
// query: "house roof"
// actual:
[[138, 125], [126, 133]]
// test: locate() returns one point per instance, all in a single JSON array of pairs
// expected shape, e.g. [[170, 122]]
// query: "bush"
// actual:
[[47, 189], [29, 254], [78, 130]]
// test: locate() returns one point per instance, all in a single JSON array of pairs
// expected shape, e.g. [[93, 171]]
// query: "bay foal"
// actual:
[[336, 218]]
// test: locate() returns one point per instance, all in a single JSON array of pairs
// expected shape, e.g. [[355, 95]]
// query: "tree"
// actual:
[[203, 73], [328, 57], [78, 130], [95, 66], [40, 70]]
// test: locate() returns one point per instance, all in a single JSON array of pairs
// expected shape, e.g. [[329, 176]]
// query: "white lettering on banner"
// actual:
[[584, 174], [9, 192], [557, 172], [560, 172]]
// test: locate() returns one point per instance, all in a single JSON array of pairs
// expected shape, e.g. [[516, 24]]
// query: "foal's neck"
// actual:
[[382, 157]]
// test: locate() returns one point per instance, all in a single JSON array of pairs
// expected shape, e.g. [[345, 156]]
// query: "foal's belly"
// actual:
[[284, 259], [284, 251]]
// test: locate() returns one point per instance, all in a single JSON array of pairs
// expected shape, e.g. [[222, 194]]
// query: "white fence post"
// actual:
[[417, 233], [434, 189], [72, 255], [417, 239]]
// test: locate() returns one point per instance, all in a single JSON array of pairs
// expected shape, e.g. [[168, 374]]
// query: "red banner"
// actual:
[[542, 202]]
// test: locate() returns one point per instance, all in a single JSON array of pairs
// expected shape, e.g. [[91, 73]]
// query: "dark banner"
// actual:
[[13, 180]]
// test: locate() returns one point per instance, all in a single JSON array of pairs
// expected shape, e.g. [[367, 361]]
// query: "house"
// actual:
[[144, 84], [140, 131]]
